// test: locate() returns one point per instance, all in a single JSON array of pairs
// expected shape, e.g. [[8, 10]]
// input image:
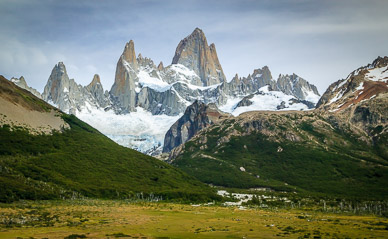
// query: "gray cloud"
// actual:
[[321, 41]]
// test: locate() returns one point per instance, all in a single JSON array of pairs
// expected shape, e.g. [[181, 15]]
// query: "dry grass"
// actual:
[[110, 219]]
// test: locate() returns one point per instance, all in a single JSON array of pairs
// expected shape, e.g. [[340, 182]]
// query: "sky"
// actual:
[[321, 41]]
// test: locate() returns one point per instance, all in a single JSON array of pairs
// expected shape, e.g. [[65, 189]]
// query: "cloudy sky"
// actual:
[[322, 41]]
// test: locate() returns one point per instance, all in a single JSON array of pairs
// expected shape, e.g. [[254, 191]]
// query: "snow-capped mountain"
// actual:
[[144, 95], [365, 83]]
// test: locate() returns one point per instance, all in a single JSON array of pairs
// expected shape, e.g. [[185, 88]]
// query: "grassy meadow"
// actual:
[[125, 219]]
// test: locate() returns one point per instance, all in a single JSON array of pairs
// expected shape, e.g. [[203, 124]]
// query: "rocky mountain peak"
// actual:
[[298, 87], [195, 53], [61, 67], [97, 96], [58, 88], [198, 34], [95, 81], [380, 62], [160, 66], [263, 72], [56, 83], [129, 53]]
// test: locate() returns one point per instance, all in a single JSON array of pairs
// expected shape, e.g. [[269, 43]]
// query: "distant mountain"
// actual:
[[47, 154], [141, 87], [361, 85], [339, 149]]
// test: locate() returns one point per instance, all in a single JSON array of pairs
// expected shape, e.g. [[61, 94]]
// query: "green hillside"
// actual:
[[302, 152], [80, 161]]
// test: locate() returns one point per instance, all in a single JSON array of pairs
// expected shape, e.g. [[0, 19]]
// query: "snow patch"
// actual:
[[266, 100], [340, 84], [378, 74], [183, 70], [196, 87], [336, 97], [145, 80], [360, 87], [230, 104], [127, 66], [311, 96]]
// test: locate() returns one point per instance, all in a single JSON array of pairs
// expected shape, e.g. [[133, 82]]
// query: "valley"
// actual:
[[128, 219]]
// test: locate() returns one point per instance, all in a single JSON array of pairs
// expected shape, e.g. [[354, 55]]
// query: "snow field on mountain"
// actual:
[[267, 100], [311, 96], [145, 80], [140, 129], [378, 74]]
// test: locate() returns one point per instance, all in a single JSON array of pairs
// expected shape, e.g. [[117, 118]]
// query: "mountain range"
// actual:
[[143, 90]]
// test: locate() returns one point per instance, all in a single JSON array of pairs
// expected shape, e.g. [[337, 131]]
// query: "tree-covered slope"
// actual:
[[307, 152], [80, 161]]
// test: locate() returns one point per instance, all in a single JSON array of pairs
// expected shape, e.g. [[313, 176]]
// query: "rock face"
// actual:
[[196, 117], [21, 82], [195, 53]]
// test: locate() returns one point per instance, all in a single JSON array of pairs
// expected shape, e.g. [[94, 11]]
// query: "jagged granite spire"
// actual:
[[123, 89], [160, 66], [70, 97], [195, 53], [129, 53], [56, 84], [97, 91]]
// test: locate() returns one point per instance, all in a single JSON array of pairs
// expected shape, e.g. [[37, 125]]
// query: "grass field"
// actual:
[[123, 219]]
